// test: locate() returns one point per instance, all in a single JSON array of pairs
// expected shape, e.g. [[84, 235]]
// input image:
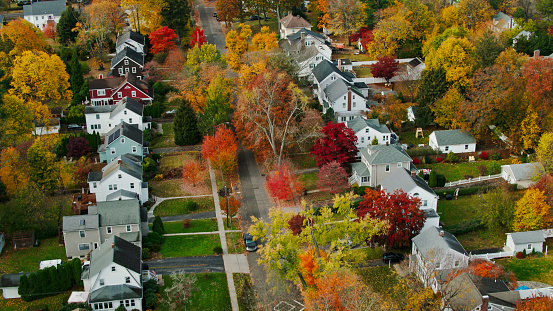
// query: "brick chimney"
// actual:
[[100, 76], [537, 53], [349, 95], [485, 302], [340, 64], [442, 233]]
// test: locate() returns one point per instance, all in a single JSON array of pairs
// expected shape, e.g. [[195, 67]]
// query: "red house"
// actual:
[[110, 91]]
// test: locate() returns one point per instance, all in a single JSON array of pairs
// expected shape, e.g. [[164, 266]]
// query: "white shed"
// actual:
[[521, 174], [457, 141], [528, 240], [9, 284]]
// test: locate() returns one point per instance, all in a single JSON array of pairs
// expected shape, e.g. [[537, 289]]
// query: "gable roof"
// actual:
[[401, 179], [291, 21], [115, 250], [120, 212], [297, 35], [535, 236], [415, 62], [106, 83], [453, 137], [127, 102], [307, 52], [73, 223], [120, 194], [44, 8], [127, 53], [123, 163], [132, 36], [123, 129], [472, 287], [115, 292], [430, 240], [325, 68], [524, 171], [358, 124], [11, 280], [382, 154]]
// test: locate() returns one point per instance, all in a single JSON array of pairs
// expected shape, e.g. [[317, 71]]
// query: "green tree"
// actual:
[[374, 141], [433, 86], [54, 279], [76, 76], [545, 7], [33, 287], [497, 207], [371, 7], [43, 168], [176, 15], [67, 22], [185, 125], [23, 289], [433, 179], [486, 49], [451, 157], [218, 104], [157, 226], [76, 271]]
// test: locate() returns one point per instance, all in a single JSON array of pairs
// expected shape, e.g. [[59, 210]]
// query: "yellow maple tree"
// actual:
[[145, 15], [237, 45], [531, 211], [264, 40], [455, 56], [14, 171]]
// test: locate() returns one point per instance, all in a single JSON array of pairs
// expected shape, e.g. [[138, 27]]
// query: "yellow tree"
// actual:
[[14, 171], [450, 17], [145, 15], [17, 121], [530, 129], [25, 37], [544, 151], [105, 14], [208, 53], [455, 56], [324, 18], [531, 211], [344, 16], [264, 40], [446, 109], [391, 31], [475, 12], [237, 45]]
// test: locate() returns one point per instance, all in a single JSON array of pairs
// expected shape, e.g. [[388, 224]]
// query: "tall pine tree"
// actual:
[[432, 87], [185, 125], [68, 21], [77, 79]]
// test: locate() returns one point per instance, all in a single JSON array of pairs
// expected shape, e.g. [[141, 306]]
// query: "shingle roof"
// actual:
[[94, 176], [471, 289], [130, 236], [297, 35], [453, 137], [107, 83], [524, 171], [120, 194], [74, 223], [129, 103], [11, 280], [123, 129], [120, 212], [430, 240], [325, 68], [124, 163], [307, 52], [360, 168], [131, 35], [127, 53], [527, 237], [115, 292], [358, 124], [401, 179], [291, 21], [44, 8], [115, 250], [382, 154]]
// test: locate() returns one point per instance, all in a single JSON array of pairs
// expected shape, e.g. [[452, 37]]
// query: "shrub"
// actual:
[[186, 223], [483, 155], [539, 254], [451, 157], [483, 169], [85, 68], [433, 179], [149, 165], [421, 151], [148, 135], [496, 156], [360, 190], [121, 308], [438, 159], [441, 180], [495, 168], [218, 250], [145, 253], [428, 160], [157, 226], [150, 298], [416, 161], [524, 253], [421, 174], [519, 255], [191, 205], [158, 177]]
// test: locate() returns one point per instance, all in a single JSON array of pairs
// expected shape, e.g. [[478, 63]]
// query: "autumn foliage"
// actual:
[[542, 303], [233, 205], [399, 209], [337, 144], [532, 211], [296, 224], [488, 269], [309, 265], [332, 177], [192, 172], [385, 67], [221, 149], [162, 40], [197, 38], [283, 184]]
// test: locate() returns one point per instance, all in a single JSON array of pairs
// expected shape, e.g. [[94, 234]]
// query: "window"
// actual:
[[120, 71], [343, 119], [354, 104], [126, 61], [97, 116], [133, 149], [130, 120], [364, 179], [456, 263], [344, 97], [84, 247], [102, 282], [343, 105], [438, 265], [119, 94], [108, 230], [112, 150], [81, 222], [367, 130], [424, 202], [311, 66], [351, 118], [133, 70], [124, 111], [95, 245], [127, 279], [114, 186], [353, 96], [132, 185], [133, 93], [42, 16], [529, 246], [110, 187], [446, 148], [362, 140], [387, 168], [398, 164], [113, 269], [81, 234], [119, 176], [466, 147], [126, 70], [129, 229], [101, 92], [122, 140], [94, 185]]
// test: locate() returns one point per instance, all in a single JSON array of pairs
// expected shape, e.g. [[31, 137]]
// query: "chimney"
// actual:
[[442, 233], [349, 98], [413, 173], [112, 245], [100, 76], [485, 302], [302, 36], [537, 53], [340, 64]]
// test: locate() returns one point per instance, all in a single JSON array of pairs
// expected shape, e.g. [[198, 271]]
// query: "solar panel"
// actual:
[[114, 136]]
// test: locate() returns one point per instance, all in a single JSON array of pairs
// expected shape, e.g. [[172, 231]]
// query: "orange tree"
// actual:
[[220, 149], [192, 172], [535, 304], [283, 184]]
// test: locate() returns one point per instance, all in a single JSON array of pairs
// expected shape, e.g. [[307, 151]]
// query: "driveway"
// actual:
[[187, 264]]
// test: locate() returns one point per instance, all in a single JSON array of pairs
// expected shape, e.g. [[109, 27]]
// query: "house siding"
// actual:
[[72, 240], [127, 68], [120, 148], [107, 123], [364, 139], [117, 230], [538, 246], [124, 182], [378, 172], [461, 148], [40, 21]]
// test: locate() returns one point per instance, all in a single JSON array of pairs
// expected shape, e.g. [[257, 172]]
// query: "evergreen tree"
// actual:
[[68, 21], [185, 125], [33, 287], [176, 15], [23, 289], [76, 268], [158, 226], [433, 86], [77, 79], [54, 279], [433, 179]]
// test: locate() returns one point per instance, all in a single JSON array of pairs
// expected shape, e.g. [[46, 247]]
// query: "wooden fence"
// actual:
[[471, 180]]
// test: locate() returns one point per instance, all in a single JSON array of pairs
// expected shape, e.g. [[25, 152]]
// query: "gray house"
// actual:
[[378, 162], [122, 139], [125, 219], [125, 61]]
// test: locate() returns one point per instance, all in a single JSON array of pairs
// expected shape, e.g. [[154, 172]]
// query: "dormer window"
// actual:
[[126, 61]]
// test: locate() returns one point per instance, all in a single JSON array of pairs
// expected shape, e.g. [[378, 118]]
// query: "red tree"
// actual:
[[332, 177], [162, 40], [488, 269], [545, 184], [283, 184], [221, 149], [49, 30], [365, 34], [337, 144], [399, 209], [296, 224], [385, 67], [197, 38], [192, 172], [541, 303], [78, 147], [233, 205]]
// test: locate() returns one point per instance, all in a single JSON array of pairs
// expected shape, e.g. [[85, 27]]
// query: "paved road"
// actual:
[[187, 264], [212, 28]]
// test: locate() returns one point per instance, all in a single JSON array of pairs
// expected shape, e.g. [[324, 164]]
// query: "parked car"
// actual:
[[254, 18], [74, 127], [392, 257], [251, 246], [214, 14]]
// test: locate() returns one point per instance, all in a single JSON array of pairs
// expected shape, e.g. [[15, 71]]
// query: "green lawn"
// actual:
[[53, 303], [302, 160], [409, 138], [210, 293], [176, 160], [189, 245], [309, 180], [235, 243], [363, 72], [168, 188], [457, 171], [530, 269], [201, 225], [28, 259], [360, 255], [165, 140], [176, 206]]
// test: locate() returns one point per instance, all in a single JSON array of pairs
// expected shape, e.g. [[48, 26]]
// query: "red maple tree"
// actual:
[[545, 184], [365, 34], [49, 29], [192, 172], [332, 177], [233, 205], [337, 144], [488, 269], [296, 224], [540, 303], [78, 147], [221, 149], [197, 38], [162, 40], [284, 184], [385, 67], [401, 210]]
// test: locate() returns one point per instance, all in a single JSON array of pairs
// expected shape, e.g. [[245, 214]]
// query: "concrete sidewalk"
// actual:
[[196, 233]]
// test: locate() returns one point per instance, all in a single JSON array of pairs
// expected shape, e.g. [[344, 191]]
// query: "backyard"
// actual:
[[530, 269], [363, 71], [235, 243], [28, 259], [458, 171], [201, 225], [210, 293], [189, 245], [175, 207], [167, 139], [52, 302], [272, 23], [171, 161], [309, 180]]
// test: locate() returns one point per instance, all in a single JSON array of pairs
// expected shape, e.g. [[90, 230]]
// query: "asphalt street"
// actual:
[[212, 28], [187, 264]]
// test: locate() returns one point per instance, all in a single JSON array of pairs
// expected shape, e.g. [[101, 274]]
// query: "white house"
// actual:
[[521, 174], [457, 141], [526, 34], [291, 24], [411, 113], [434, 252], [309, 57], [378, 162], [502, 21], [102, 119], [132, 40], [39, 13], [114, 276], [528, 240], [367, 130], [9, 284], [307, 48], [120, 179], [346, 100], [343, 64]]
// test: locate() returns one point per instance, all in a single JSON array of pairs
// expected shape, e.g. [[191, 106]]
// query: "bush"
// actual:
[[483, 169], [421, 151], [428, 160], [539, 254], [433, 180], [157, 226], [466, 226], [145, 253], [360, 190], [149, 165], [441, 180], [158, 177], [186, 223], [218, 250], [438, 159], [451, 157], [121, 308], [148, 135], [156, 156], [416, 161], [496, 156], [151, 288], [191, 205], [519, 255], [483, 155], [524, 253], [495, 168]]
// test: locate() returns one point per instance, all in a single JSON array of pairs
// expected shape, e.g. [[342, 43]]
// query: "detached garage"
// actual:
[[457, 141], [528, 240]]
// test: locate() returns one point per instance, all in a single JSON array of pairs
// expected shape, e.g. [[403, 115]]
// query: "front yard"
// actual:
[[176, 207], [210, 293], [166, 140], [235, 243], [176, 188], [309, 180], [189, 245], [201, 225]]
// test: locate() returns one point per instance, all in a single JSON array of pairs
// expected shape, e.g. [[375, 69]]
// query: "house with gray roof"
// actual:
[[528, 240], [378, 162], [125, 61], [113, 277], [9, 284], [435, 253], [523, 174], [457, 141], [39, 13], [122, 218], [123, 173], [132, 40], [103, 119], [291, 24], [307, 49], [369, 130], [122, 139], [502, 21], [473, 292]]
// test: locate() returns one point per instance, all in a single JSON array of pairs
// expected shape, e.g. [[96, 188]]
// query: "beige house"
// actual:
[[291, 24], [378, 162]]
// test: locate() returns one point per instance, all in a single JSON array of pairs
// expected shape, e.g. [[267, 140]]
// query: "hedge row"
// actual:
[[50, 281]]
